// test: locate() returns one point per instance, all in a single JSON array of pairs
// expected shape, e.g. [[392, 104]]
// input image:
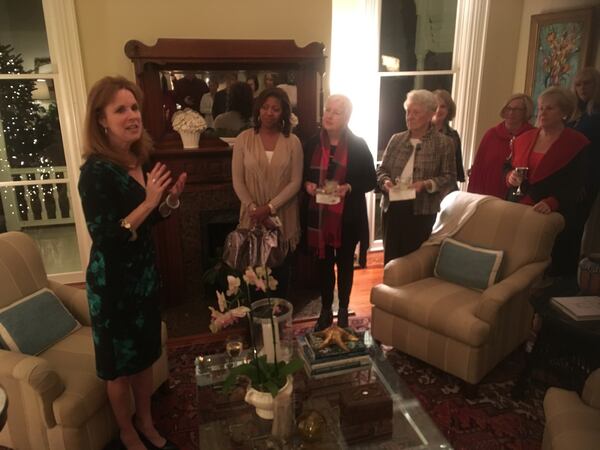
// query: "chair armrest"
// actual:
[[21, 374], [75, 299], [412, 267], [591, 390], [494, 297]]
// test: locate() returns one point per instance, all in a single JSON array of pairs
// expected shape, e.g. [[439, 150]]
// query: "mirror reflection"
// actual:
[[224, 97]]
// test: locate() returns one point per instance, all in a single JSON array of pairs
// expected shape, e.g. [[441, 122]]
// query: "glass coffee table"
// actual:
[[368, 408]]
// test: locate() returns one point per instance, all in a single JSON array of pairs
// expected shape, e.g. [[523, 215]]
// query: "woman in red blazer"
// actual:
[[487, 173], [555, 160]]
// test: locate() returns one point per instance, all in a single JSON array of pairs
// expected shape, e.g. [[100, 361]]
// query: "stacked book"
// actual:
[[578, 308], [332, 360]]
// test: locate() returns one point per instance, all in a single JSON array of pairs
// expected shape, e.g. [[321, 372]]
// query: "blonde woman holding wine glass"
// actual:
[[554, 156]]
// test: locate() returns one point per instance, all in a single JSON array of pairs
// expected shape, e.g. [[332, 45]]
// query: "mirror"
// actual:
[[209, 92], [177, 73]]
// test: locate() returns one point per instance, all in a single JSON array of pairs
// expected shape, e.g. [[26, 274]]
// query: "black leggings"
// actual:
[[344, 258]]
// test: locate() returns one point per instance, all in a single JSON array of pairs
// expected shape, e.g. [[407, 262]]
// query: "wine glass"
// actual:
[[522, 172], [233, 347]]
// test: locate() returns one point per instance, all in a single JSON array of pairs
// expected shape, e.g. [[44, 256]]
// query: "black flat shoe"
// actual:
[[324, 321], [342, 318], [150, 446]]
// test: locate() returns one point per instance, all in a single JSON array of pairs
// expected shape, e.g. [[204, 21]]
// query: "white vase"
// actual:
[[264, 402], [190, 138]]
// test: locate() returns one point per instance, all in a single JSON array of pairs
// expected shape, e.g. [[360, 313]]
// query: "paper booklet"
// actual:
[[579, 308]]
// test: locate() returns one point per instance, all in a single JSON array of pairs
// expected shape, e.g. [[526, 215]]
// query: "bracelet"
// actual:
[[164, 210], [128, 227], [175, 206]]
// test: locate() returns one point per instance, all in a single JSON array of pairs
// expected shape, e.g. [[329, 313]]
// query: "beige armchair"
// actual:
[[573, 422], [56, 399], [463, 331]]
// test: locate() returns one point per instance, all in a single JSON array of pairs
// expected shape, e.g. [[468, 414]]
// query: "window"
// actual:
[[404, 45], [38, 165]]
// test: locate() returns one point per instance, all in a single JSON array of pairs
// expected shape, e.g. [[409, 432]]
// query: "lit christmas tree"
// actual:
[[31, 134], [19, 113]]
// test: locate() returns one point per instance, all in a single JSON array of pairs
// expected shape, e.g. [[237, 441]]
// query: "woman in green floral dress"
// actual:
[[121, 201]]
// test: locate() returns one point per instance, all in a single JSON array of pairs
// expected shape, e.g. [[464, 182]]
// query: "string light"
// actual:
[[28, 132]]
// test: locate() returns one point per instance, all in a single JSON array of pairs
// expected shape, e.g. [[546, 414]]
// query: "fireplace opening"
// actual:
[[215, 227]]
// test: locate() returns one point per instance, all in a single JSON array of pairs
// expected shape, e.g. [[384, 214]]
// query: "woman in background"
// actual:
[[487, 173], [344, 160], [239, 111], [267, 174], [444, 113], [206, 102], [252, 81], [554, 157], [122, 198], [426, 158], [586, 86]]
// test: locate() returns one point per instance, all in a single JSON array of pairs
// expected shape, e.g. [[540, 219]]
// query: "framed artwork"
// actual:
[[559, 46]]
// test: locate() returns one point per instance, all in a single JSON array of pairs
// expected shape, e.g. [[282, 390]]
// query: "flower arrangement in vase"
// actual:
[[189, 124], [270, 376]]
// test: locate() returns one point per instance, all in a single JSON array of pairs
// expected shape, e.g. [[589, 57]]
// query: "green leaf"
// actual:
[[272, 388], [292, 367]]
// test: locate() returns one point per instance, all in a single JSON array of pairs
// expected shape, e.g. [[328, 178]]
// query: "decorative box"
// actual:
[[366, 403]]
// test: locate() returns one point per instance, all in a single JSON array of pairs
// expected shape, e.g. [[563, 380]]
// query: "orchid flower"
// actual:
[[233, 285], [222, 301], [220, 320]]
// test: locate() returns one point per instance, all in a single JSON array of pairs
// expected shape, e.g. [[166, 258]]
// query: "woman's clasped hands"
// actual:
[[157, 182]]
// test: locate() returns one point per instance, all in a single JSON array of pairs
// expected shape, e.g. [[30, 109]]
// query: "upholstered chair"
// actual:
[[573, 422], [461, 330], [56, 399]]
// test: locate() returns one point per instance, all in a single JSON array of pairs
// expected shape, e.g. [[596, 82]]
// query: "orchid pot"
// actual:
[[265, 403]]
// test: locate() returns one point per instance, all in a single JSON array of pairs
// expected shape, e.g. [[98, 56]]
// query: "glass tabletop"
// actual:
[[394, 419]]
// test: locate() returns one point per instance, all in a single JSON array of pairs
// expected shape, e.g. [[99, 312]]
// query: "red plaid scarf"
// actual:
[[325, 221]]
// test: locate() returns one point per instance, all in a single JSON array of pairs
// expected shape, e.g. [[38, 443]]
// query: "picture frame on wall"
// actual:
[[559, 46]]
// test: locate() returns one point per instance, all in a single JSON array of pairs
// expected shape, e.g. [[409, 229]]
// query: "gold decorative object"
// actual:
[[335, 335], [311, 425]]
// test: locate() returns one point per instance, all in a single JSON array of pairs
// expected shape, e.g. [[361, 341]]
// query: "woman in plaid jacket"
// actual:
[[418, 165]]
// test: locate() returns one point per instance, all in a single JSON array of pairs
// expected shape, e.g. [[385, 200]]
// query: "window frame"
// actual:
[[467, 67], [70, 94]]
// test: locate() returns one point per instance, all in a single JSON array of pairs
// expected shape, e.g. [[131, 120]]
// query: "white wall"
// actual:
[[106, 25], [499, 63]]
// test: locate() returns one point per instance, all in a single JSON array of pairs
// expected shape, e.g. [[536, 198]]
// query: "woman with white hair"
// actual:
[[554, 158], [418, 165], [487, 172], [338, 171]]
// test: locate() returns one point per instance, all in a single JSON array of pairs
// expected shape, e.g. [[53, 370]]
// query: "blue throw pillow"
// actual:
[[463, 264], [35, 323]]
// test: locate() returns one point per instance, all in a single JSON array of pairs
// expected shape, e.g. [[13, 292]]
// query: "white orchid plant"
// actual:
[[232, 303], [187, 120]]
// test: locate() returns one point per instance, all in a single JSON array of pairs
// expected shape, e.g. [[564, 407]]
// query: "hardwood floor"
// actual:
[[192, 318], [364, 280]]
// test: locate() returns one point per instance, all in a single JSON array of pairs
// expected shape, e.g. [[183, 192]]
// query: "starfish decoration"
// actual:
[[335, 335]]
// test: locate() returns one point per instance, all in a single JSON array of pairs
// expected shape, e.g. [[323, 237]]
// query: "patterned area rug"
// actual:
[[492, 420]]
